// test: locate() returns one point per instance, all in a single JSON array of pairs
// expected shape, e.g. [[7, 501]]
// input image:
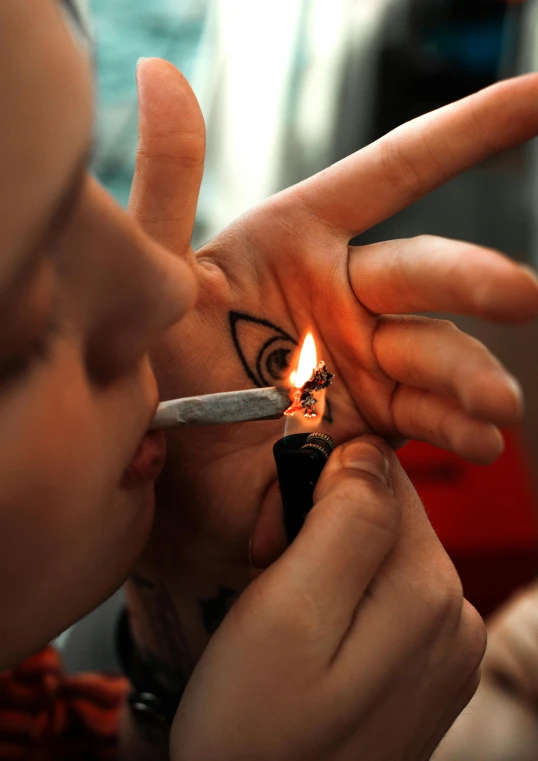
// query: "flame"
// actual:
[[308, 360]]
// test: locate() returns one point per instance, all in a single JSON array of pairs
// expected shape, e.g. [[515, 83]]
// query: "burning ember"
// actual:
[[310, 377]]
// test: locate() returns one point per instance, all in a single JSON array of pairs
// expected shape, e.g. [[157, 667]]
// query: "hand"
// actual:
[[356, 643], [502, 720], [286, 266], [512, 655]]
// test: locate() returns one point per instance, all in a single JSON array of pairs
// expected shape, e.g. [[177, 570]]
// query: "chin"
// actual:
[[131, 539], [80, 581]]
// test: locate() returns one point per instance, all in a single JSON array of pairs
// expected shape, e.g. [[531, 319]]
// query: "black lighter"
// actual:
[[300, 458]]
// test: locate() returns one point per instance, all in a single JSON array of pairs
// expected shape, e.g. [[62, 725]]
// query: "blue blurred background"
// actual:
[[125, 31]]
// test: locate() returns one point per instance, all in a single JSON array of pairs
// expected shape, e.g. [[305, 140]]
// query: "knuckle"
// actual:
[[400, 172], [424, 240], [412, 407], [370, 440], [364, 457], [409, 171], [185, 152], [474, 636], [448, 327], [441, 593], [484, 294]]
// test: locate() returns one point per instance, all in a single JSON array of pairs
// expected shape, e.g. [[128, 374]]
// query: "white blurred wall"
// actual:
[[286, 88]]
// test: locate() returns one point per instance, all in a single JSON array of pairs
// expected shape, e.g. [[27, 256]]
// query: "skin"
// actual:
[[327, 660], [501, 722], [76, 399], [288, 263], [85, 293]]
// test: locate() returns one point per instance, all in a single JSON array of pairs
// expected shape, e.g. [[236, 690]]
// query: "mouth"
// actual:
[[147, 461]]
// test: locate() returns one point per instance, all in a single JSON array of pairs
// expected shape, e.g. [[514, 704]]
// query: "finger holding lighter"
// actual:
[[357, 639]]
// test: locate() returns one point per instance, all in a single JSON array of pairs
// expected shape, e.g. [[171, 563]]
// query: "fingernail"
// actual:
[[366, 457]]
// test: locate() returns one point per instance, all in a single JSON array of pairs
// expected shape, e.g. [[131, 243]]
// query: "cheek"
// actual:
[[68, 532], [51, 450]]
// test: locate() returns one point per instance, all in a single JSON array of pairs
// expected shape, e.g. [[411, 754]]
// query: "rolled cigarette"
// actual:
[[228, 407]]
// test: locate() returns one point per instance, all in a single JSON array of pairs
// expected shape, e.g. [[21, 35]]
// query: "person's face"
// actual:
[[83, 295]]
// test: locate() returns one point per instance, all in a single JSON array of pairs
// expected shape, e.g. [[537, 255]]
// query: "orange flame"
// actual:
[[308, 359]]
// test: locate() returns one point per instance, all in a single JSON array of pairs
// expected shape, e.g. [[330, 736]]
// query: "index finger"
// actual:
[[414, 159]]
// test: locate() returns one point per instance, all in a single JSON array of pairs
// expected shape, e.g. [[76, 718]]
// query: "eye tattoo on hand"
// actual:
[[265, 351]]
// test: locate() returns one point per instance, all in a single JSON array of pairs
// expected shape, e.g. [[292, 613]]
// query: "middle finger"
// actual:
[[432, 274], [435, 356]]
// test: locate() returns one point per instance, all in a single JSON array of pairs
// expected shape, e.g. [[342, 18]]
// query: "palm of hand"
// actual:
[[256, 302], [286, 267]]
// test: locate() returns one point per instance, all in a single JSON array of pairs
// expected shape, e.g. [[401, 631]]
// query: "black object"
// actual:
[[152, 705], [300, 458]]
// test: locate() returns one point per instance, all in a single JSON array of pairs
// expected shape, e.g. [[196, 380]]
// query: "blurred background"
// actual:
[[288, 87]]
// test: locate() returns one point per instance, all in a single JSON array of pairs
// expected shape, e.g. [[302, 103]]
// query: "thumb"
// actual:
[[170, 155], [348, 534]]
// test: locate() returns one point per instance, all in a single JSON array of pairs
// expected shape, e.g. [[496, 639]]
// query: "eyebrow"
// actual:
[[56, 220]]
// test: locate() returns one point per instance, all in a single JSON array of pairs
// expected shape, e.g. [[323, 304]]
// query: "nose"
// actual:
[[131, 288]]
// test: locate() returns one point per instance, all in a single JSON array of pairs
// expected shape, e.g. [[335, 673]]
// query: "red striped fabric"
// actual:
[[46, 715]]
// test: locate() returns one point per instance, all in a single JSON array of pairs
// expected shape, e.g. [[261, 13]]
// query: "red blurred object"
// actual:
[[48, 715], [484, 516]]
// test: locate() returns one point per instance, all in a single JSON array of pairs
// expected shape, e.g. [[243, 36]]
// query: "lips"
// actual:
[[147, 462]]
